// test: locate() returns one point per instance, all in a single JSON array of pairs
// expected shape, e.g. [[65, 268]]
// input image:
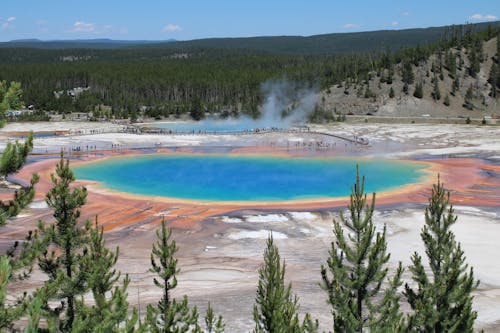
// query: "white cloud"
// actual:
[[171, 28], [81, 26], [405, 13], [93, 28], [351, 25], [480, 17], [394, 23], [8, 22]]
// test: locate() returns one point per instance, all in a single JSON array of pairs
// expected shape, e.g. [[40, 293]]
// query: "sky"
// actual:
[[193, 19]]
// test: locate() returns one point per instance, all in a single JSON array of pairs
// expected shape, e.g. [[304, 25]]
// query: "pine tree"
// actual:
[[436, 93], [34, 311], [197, 112], [493, 79], [469, 95], [110, 296], [405, 88], [441, 300], [7, 313], [455, 85], [309, 325], [213, 324], [451, 63], [446, 100], [391, 93], [498, 46], [10, 96], [475, 54], [407, 75], [276, 308], [66, 239], [357, 268], [169, 316], [419, 91], [17, 264], [14, 155]]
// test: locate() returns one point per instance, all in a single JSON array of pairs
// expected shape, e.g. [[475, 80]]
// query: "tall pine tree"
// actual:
[[169, 315], [441, 300], [65, 239], [436, 93], [356, 270]]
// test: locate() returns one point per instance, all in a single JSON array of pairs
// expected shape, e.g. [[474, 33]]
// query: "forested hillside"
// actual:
[[336, 43], [457, 80], [166, 81]]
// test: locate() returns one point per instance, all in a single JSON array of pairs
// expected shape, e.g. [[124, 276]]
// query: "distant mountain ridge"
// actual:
[[98, 43], [340, 43]]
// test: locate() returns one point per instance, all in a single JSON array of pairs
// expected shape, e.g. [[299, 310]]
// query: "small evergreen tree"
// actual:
[[14, 155], [407, 75], [65, 238], [455, 85], [405, 88], [196, 110], [276, 308], [169, 316], [419, 91], [213, 324], [7, 313], [436, 93], [10, 96], [469, 95], [34, 311], [446, 100], [451, 63], [493, 79], [17, 264], [356, 269], [389, 76], [391, 93], [475, 61], [12, 312], [441, 300], [110, 297]]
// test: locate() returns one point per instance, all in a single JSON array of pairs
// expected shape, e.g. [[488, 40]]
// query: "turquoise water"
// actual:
[[245, 178], [211, 125]]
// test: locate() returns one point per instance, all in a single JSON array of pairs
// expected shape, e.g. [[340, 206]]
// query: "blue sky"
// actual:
[[192, 19]]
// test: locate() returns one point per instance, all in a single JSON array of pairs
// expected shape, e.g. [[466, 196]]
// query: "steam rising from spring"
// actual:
[[285, 104]]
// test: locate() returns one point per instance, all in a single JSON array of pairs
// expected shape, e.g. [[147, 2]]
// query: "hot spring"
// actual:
[[246, 178], [220, 126]]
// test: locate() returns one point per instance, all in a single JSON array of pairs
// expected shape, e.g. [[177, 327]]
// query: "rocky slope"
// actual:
[[350, 98]]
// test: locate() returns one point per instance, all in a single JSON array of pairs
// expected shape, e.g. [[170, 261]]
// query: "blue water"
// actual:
[[245, 178], [38, 135], [211, 125]]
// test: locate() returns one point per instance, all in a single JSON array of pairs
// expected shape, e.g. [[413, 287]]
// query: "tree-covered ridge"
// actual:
[[176, 81], [173, 86], [334, 43]]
